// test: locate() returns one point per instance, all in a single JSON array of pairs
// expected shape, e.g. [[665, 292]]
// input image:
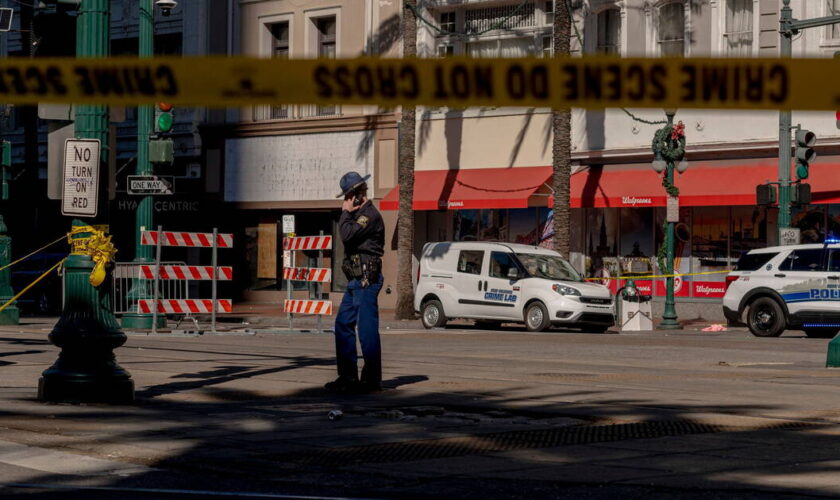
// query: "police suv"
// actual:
[[494, 283], [787, 287]]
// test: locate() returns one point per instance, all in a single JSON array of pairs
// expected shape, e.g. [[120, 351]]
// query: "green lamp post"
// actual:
[[140, 289], [87, 331], [668, 149], [11, 314]]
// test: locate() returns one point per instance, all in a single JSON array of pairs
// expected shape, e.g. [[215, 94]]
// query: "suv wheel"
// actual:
[[821, 333], [431, 314], [766, 318], [536, 317]]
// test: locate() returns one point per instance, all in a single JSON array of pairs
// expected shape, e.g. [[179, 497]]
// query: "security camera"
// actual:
[[166, 6]]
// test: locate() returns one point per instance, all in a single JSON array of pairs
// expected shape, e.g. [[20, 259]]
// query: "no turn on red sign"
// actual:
[[80, 191]]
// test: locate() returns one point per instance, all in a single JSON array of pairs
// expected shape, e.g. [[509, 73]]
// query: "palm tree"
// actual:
[[405, 175], [562, 136]]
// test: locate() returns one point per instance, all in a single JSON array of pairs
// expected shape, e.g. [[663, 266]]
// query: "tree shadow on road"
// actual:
[[429, 439]]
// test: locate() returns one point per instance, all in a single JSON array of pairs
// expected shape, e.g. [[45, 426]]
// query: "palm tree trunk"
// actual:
[[405, 175], [562, 141]]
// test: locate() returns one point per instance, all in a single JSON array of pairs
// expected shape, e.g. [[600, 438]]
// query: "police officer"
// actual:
[[363, 233]]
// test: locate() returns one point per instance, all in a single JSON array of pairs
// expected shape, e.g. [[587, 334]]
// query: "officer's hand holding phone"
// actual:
[[352, 203]]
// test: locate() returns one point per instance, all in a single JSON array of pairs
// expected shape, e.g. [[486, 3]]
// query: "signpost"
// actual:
[[288, 224], [788, 236], [80, 191], [151, 184]]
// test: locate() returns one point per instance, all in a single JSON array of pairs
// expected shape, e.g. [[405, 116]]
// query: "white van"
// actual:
[[502, 282]]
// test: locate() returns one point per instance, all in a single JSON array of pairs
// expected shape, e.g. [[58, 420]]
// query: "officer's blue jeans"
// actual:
[[359, 310]]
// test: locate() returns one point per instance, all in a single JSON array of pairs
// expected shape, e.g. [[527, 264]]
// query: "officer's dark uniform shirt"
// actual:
[[362, 231]]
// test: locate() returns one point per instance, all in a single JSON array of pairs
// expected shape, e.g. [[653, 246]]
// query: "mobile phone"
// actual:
[[357, 201]]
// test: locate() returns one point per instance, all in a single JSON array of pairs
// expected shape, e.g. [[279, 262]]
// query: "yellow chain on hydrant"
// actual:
[[97, 246]]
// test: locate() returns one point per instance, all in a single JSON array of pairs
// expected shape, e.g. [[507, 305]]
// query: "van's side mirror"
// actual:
[[513, 273]]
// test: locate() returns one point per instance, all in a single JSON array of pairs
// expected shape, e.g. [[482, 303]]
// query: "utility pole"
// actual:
[[144, 214], [788, 27], [87, 331]]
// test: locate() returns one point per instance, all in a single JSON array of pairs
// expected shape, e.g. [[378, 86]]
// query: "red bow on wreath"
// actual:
[[678, 131]]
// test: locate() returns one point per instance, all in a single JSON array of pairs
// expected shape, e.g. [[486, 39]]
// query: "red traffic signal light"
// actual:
[[164, 106]]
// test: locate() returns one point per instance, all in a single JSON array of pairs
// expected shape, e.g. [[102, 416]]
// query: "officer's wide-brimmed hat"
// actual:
[[350, 181]]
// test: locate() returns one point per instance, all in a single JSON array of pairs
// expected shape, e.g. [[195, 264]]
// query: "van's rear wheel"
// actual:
[[766, 318], [821, 333], [432, 315], [536, 317]]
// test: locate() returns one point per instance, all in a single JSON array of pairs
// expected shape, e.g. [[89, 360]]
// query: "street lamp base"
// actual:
[[67, 387], [10, 315], [138, 321], [669, 324]]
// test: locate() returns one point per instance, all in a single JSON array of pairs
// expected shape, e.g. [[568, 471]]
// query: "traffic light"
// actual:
[[5, 165], [163, 118], [800, 194], [804, 152], [765, 194], [5, 154]]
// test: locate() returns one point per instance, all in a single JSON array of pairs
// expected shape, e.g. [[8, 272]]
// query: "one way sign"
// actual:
[[150, 184]]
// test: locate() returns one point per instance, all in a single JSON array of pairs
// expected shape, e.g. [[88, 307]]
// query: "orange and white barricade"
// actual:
[[318, 275], [213, 273]]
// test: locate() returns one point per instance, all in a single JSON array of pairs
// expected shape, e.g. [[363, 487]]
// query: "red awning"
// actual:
[[703, 184], [472, 188]]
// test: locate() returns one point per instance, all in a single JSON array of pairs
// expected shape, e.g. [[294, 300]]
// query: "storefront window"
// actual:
[[601, 242], [710, 243], [749, 231], [466, 225], [494, 225], [811, 223], [523, 224], [636, 248], [833, 222]]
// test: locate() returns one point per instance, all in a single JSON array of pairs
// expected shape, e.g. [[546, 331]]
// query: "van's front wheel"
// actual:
[[432, 315], [536, 317]]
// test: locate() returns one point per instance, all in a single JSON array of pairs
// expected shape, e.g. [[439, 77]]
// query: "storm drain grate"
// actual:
[[515, 440]]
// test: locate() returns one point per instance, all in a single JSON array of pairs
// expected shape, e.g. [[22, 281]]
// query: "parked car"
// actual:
[[794, 287], [500, 282]]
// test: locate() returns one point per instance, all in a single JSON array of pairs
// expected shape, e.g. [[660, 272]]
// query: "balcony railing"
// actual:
[[294, 112]]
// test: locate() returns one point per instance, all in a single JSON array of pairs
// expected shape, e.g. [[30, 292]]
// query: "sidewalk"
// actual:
[[468, 414]]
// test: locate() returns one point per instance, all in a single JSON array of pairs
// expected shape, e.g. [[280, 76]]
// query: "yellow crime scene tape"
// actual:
[[654, 276], [586, 82]]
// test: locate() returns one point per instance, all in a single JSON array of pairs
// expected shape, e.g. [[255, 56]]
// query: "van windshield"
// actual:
[[548, 266]]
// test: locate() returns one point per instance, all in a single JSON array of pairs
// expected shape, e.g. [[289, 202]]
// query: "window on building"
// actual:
[[548, 8], [279, 40], [446, 50], [738, 36], [279, 49], [469, 261], [447, 22], [609, 31], [832, 8], [811, 222], [671, 29], [326, 37], [547, 46], [326, 29]]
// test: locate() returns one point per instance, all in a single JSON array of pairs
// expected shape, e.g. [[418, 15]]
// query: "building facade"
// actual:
[[44, 29], [485, 173], [287, 160]]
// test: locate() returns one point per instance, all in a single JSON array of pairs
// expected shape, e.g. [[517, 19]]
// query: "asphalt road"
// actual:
[[467, 414]]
